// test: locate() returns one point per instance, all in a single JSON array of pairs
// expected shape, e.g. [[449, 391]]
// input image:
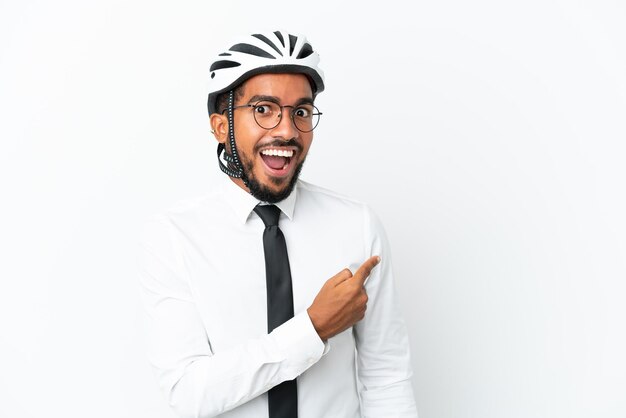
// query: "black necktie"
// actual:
[[283, 398]]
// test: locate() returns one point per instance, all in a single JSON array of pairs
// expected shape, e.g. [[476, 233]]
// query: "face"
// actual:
[[271, 177]]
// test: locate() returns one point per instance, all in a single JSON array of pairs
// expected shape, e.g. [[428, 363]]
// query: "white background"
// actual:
[[488, 136]]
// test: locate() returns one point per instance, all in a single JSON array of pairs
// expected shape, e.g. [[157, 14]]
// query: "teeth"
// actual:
[[277, 152]]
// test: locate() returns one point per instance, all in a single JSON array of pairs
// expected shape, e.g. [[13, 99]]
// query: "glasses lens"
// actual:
[[306, 117], [267, 114]]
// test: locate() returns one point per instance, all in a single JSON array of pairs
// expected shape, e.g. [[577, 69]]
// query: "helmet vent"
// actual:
[[280, 38], [305, 51], [252, 50], [218, 65], [292, 43], [267, 41]]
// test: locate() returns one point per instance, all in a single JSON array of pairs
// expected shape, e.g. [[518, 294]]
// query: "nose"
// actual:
[[286, 128]]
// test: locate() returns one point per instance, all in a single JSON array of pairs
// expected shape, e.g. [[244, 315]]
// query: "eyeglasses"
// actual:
[[269, 114]]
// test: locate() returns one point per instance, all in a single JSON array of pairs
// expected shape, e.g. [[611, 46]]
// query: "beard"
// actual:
[[262, 192]]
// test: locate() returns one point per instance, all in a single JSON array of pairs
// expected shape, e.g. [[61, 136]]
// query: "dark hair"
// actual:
[[221, 104]]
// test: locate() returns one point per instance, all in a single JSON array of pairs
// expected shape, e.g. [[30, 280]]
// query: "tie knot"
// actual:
[[269, 214]]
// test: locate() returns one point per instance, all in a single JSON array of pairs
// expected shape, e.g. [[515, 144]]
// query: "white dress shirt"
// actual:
[[204, 294]]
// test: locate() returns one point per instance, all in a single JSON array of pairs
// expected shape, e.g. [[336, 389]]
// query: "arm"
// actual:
[[383, 356], [197, 381]]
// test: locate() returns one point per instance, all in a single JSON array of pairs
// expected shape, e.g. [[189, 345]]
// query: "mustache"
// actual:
[[280, 143]]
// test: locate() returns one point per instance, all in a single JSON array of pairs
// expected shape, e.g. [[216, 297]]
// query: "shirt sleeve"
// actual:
[[383, 355], [197, 381]]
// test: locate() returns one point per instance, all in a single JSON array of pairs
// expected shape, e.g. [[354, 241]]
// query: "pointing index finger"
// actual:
[[364, 271]]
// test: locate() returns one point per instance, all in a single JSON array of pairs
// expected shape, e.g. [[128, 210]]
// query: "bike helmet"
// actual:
[[269, 52]]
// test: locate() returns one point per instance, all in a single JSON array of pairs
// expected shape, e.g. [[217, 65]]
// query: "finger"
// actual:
[[364, 271], [341, 277]]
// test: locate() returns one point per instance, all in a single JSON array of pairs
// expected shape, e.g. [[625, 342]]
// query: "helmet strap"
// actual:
[[233, 166]]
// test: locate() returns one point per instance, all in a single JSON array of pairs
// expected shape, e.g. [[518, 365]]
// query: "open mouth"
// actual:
[[277, 161]]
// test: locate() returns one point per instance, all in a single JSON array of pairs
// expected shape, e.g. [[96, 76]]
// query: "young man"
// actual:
[[256, 294]]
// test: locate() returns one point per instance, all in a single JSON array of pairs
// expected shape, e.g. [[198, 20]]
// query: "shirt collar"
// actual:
[[243, 202]]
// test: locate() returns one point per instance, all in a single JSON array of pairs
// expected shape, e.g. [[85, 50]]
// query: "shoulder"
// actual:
[[331, 204], [311, 191], [185, 212], [190, 206]]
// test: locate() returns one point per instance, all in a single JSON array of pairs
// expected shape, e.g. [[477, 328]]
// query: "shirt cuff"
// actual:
[[299, 343]]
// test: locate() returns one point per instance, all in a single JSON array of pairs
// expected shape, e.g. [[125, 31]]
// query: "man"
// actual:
[[254, 317]]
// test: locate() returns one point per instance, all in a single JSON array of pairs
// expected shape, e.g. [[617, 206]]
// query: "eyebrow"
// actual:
[[261, 98]]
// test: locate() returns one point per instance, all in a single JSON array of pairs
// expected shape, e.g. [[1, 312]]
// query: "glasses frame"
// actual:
[[316, 112]]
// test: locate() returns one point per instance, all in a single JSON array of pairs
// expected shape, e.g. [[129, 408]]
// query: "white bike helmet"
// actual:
[[270, 52]]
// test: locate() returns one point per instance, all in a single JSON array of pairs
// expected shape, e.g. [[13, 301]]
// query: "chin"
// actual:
[[273, 189]]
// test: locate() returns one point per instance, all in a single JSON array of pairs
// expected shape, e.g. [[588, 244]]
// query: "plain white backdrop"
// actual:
[[488, 136]]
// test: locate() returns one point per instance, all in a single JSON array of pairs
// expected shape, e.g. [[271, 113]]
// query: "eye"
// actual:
[[302, 112], [263, 109]]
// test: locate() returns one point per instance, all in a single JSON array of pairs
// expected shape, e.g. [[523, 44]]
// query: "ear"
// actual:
[[219, 126]]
